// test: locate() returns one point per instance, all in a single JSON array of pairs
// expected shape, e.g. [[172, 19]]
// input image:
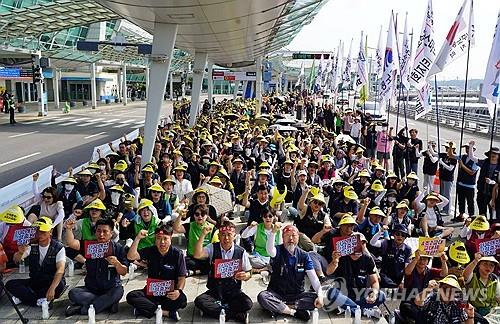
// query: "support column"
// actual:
[[210, 83], [200, 61], [93, 87], [55, 81], [235, 90], [146, 78], [124, 86], [119, 85], [258, 86], [171, 86], [29, 91], [163, 47]]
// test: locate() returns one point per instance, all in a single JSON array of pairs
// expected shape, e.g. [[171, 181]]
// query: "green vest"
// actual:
[[87, 233], [194, 234], [261, 240], [483, 297], [150, 239]]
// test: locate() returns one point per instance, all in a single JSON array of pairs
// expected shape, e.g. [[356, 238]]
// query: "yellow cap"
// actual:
[[44, 224], [450, 280], [347, 219], [349, 192], [264, 164], [391, 174], [69, 180], [144, 203], [364, 173], [180, 168], [480, 223], [223, 172], [216, 180], [120, 166], [319, 197], [13, 215], [458, 253], [117, 188], [377, 186], [93, 165], [96, 204], [148, 168], [402, 204], [377, 211], [156, 187], [169, 179], [412, 175], [359, 150], [85, 172]]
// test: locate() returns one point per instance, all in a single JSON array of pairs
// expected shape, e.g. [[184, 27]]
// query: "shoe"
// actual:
[[16, 300], [242, 317], [72, 310], [302, 314], [135, 312], [114, 308], [174, 315]]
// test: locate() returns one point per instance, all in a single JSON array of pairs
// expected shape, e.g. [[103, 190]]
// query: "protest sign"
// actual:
[[24, 235], [346, 245], [488, 247], [158, 287], [431, 246], [95, 250], [226, 268]]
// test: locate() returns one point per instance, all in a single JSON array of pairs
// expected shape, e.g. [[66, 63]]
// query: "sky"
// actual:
[[345, 19]]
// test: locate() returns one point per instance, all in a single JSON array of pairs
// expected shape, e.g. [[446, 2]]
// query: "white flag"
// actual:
[[324, 77], [455, 44], [300, 78], [405, 56], [379, 56], [346, 77], [492, 76], [317, 83], [336, 68], [329, 78], [423, 105], [391, 62], [361, 72], [426, 50]]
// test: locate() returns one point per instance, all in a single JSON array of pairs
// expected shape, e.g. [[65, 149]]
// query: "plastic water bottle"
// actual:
[[347, 313], [71, 268], [315, 316], [131, 271], [45, 309], [222, 316], [159, 315], [237, 239], [376, 312], [91, 314], [357, 315], [22, 266]]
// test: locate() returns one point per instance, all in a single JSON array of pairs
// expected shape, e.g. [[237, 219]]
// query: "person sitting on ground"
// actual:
[[46, 258], [224, 289], [475, 228], [479, 276], [170, 196], [371, 225], [11, 220], [409, 188], [429, 219], [438, 304], [402, 216], [311, 218], [395, 255], [289, 265], [147, 220], [346, 203], [87, 187], [259, 259], [200, 196], [69, 195], [166, 264], [103, 288], [182, 186], [163, 208]]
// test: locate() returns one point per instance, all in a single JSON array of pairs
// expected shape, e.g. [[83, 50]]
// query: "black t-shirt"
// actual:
[[87, 190], [445, 174], [170, 266], [355, 272], [255, 211], [327, 240], [429, 167], [413, 150]]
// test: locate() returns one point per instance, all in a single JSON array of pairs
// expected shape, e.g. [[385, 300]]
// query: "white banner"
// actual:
[[426, 50], [21, 193], [105, 149], [423, 104], [391, 66], [405, 56], [361, 72], [492, 76]]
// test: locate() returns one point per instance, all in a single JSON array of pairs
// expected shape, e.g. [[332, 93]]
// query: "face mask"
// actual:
[[120, 182], [391, 199], [205, 161], [248, 152], [102, 167], [69, 187], [115, 198], [411, 182]]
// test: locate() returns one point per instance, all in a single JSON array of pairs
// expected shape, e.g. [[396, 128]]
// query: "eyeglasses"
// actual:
[[47, 197], [397, 234], [268, 216], [155, 192], [198, 214], [317, 203]]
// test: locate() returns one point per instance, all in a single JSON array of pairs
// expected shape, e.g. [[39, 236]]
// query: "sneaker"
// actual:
[[72, 310], [174, 315], [242, 317], [302, 314], [16, 300]]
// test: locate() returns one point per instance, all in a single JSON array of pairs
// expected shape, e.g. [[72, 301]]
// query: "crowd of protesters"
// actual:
[[294, 192]]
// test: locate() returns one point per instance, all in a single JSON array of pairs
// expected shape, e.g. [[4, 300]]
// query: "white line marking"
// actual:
[[112, 120], [70, 123], [127, 121], [33, 122], [120, 125], [22, 134], [90, 136], [56, 121], [102, 125], [92, 121], [19, 159], [80, 119]]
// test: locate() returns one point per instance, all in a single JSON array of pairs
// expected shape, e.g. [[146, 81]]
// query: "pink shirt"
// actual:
[[382, 139]]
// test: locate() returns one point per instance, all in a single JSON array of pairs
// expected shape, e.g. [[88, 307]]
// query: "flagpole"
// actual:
[[399, 96], [493, 126], [437, 114]]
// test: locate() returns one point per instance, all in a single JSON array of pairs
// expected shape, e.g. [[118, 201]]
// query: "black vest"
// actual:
[[482, 186], [463, 176], [100, 277], [68, 202], [226, 286], [44, 273], [288, 280]]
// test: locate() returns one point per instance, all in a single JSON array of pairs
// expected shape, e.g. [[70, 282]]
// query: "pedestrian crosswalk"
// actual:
[[78, 121]]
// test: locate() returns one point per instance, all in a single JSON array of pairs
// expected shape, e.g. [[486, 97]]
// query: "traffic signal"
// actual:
[[37, 74]]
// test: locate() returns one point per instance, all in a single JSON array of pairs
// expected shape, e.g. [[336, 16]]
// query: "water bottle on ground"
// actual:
[[159, 315], [71, 267], [22, 266], [131, 271], [315, 316], [222, 316], [91, 314], [357, 315], [45, 309], [347, 313]]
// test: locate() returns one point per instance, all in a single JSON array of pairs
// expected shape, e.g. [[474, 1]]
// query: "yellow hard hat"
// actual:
[[377, 186], [347, 219], [480, 223], [144, 203], [458, 253], [156, 187], [96, 204], [278, 198], [44, 224], [450, 280], [13, 215], [349, 192]]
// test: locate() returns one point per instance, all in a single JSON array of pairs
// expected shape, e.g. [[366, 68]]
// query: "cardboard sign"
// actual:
[[431, 246], [158, 287], [95, 250], [488, 247], [346, 245], [226, 268], [24, 235]]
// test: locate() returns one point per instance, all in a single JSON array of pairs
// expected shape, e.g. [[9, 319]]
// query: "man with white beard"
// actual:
[[289, 265]]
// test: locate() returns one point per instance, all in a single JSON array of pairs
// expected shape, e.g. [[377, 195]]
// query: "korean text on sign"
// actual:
[[226, 268]]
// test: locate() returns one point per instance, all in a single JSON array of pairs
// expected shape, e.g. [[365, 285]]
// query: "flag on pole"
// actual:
[[405, 57], [379, 56], [319, 75], [300, 78], [423, 104], [336, 68], [391, 62], [346, 77], [329, 84], [361, 72], [312, 75], [456, 42], [492, 76], [365, 89], [326, 71]]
